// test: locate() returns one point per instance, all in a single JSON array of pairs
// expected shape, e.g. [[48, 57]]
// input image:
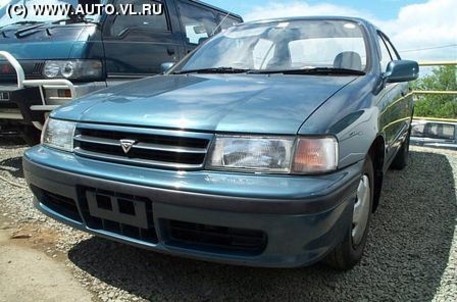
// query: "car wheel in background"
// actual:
[[349, 252], [31, 135]]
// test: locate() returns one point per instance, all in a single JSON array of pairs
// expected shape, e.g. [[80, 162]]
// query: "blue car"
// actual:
[[266, 146]]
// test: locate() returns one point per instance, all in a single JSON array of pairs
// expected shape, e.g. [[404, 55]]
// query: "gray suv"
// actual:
[[434, 134]]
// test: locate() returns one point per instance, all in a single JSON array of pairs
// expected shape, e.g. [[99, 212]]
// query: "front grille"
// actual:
[[143, 147], [215, 238], [121, 214], [63, 205], [5, 100], [37, 70], [4, 96]]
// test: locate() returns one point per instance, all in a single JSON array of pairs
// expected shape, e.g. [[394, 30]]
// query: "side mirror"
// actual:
[[166, 66], [401, 71]]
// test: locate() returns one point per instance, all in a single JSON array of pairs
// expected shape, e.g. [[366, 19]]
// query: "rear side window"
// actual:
[[125, 23], [448, 131], [323, 51], [198, 23]]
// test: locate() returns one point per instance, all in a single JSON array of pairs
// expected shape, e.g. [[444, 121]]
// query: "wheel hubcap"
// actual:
[[361, 210]]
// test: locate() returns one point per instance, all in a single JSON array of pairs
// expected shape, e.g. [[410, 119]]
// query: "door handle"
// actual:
[[171, 51]]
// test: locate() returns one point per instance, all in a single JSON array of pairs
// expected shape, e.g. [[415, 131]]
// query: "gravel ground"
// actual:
[[411, 253]]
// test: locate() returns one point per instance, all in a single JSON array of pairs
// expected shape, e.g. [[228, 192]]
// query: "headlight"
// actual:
[[254, 154], [51, 69], [58, 134], [274, 154], [73, 69]]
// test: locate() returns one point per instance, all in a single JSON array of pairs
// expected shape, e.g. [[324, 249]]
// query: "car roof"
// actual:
[[312, 18]]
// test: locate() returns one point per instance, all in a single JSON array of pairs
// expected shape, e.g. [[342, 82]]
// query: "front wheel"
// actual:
[[349, 252]]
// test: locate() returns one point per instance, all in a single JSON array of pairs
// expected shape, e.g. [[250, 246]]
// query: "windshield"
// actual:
[[32, 16], [291, 45]]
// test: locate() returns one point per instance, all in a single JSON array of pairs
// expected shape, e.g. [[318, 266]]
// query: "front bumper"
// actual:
[[16, 108], [270, 221], [30, 103], [8, 113]]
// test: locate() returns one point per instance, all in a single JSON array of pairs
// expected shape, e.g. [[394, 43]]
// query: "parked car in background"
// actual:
[[46, 61], [434, 133], [267, 146]]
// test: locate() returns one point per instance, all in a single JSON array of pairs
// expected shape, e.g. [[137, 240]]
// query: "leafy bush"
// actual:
[[443, 106]]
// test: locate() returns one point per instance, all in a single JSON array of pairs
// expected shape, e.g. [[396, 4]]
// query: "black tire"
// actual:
[[401, 159], [31, 135], [346, 254]]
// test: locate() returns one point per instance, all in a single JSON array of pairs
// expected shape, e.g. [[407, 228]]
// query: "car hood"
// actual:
[[46, 40], [261, 104]]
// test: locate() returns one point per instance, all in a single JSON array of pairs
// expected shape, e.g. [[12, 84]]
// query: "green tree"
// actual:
[[443, 106]]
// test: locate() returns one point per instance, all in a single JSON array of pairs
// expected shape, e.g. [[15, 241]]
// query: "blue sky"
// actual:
[[383, 9], [426, 30]]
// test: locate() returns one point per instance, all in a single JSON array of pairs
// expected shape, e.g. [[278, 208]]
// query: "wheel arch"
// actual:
[[377, 154]]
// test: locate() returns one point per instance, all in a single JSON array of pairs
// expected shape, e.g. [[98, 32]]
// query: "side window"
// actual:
[[391, 49], [418, 130], [385, 54], [198, 23], [125, 23], [431, 130], [448, 131]]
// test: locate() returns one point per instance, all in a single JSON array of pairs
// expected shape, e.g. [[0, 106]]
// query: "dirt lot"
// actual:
[[411, 255]]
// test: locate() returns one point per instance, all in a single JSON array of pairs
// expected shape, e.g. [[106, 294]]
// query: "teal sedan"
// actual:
[[266, 146]]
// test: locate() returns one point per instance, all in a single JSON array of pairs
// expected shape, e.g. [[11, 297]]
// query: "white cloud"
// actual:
[[417, 26], [293, 9], [3, 3], [430, 24]]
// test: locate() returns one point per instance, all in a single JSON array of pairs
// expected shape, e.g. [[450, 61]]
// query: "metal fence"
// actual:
[[438, 63]]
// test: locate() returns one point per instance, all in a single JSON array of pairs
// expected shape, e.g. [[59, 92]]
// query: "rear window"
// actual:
[[123, 24], [323, 51]]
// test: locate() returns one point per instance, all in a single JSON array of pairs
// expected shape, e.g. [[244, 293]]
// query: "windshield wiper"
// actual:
[[317, 70], [21, 23], [214, 70], [74, 20]]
